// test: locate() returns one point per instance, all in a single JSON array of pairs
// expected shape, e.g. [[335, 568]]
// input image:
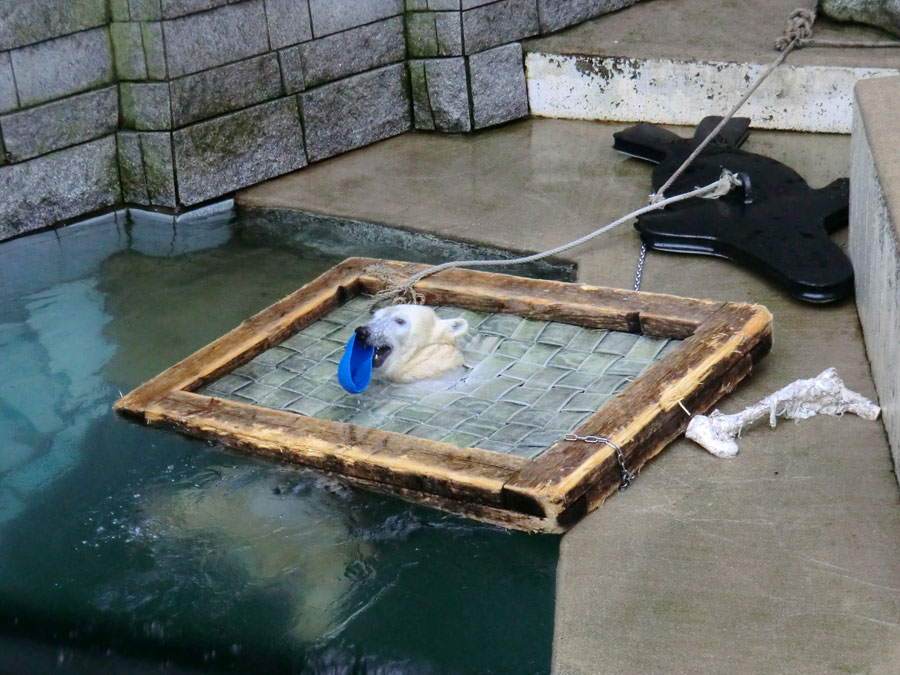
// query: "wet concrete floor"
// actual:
[[783, 559]]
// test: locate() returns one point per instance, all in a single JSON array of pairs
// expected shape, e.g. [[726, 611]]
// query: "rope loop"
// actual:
[[799, 28]]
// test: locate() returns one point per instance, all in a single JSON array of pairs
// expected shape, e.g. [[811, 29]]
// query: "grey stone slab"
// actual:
[[291, 63], [118, 10], [422, 115], [215, 157], [24, 22], [145, 10], [61, 185], [448, 94], [498, 23], [331, 16], [176, 8], [353, 51], [64, 66], [443, 4], [8, 98], [499, 91], [154, 50], [145, 106], [557, 14], [60, 124], [159, 168], [131, 168], [884, 14], [209, 39], [355, 111], [128, 49], [289, 22], [434, 34], [226, 88]]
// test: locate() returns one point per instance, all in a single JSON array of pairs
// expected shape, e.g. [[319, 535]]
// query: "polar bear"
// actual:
[[412, 343]]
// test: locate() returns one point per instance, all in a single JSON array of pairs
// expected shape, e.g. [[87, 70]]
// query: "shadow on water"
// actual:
[[125, 549]]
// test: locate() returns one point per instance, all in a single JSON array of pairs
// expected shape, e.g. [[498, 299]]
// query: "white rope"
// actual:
[[404, 292]]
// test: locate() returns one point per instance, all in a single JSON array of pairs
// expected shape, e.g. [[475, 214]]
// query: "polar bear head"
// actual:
[[412, 343]]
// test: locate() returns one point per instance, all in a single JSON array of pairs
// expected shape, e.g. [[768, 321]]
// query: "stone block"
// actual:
[[355, 111], [200, 41], [221, 155], [434, 34], [8, 99], [58, 186], [498, 86], [60, 124], [145, 10], [25, 22], [448, 94], [422, 116], [154, 50], [416, 5], [499, 23], [291, 63], [131, 168], [353, 51], [64, 66], [332, 16], [159, 169], [213, 92], [557, 14], [439, 5], [145, 106], [146, 168], [128, 49], [176, 8], [118, 10], [288, 22]]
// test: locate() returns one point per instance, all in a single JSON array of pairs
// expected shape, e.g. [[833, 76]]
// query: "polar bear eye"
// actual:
[[400, 321]]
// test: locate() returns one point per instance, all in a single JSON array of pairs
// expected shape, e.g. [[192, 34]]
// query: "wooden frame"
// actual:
[[721, 343]]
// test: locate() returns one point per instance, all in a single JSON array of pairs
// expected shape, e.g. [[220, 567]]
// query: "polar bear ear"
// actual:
[[456, 327]]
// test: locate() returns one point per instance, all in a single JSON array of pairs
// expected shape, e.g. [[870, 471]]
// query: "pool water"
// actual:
[[124, 547]]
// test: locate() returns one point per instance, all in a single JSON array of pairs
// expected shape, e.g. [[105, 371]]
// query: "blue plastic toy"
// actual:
[[355, 368]]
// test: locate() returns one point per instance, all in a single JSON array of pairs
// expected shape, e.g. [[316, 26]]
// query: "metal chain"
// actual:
[[640, 267], [627, 476]]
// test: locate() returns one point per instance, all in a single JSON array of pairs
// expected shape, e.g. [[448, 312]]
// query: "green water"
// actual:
[[125, 549]]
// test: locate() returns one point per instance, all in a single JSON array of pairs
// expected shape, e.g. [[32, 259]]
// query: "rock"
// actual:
[[128, 49], [145, 106], [557, 14], [288, 22], [64, 66], [209, 39], [219, 90], [8, 99], [884, 14], [499, 92], [58, 186], [441, 101], [355, 111], [24, 22], [353, 51], [498, 23], [60, 124], [233, 151], [434, 34], [331, 16]]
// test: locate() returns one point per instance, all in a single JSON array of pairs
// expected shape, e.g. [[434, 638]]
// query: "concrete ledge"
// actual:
[[678, 61], [875, 239]]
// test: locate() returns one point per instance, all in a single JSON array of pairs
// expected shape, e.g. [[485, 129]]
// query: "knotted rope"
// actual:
[[405, 291]]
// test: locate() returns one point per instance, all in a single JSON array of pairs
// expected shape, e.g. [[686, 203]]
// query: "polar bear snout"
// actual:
[[412, 343]]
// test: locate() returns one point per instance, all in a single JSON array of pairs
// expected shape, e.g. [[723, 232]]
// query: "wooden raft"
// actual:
[[721, 343]]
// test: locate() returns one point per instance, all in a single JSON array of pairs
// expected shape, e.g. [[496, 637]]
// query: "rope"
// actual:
[[853, 44], [404, 292]]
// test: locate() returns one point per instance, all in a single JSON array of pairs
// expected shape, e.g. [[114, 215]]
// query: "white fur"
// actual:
[[423, 346]]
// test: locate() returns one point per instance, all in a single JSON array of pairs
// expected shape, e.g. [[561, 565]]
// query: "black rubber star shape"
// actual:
[[775, 225]]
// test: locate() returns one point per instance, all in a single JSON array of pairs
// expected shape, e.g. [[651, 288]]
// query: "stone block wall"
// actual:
[[171, 103]]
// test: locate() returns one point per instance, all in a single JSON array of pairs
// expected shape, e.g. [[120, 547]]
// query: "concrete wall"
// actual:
[[875, 239], [170, 103]]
